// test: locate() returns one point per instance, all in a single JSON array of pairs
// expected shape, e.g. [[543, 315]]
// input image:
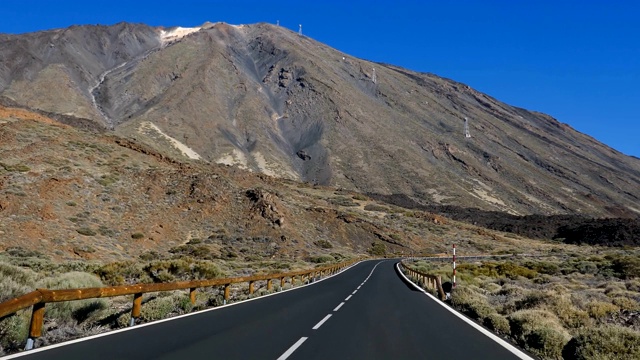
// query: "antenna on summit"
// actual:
[[277, 22], [373, 77], [466, 128], [300, 29]]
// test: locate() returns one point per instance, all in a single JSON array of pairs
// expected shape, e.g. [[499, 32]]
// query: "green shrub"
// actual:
[[543, 267], [162, 306], [15, 168], [195, 251], [86, 231], [106, 180], [137, 236], [324, 244], [539, 332], [626, 267], [360, 197], [378, 208], [342, 201], [120, 273], [105, 231], [493, 269], [378, 249], [181, 269], [321, 259], [604, 343]]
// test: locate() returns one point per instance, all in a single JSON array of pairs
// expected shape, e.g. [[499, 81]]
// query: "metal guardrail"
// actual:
[[426, 280], [40, 297]]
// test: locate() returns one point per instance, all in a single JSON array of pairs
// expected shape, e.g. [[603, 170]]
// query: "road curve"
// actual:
[[366, 312]]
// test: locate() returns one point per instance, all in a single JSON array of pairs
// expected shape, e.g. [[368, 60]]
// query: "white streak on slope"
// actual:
[[186, 151]]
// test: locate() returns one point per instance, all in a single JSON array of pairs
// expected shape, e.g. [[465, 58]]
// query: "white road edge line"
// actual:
[[339, 306], [108, 333], [321, 322], [292, 348], [517, 352], [348, 297]]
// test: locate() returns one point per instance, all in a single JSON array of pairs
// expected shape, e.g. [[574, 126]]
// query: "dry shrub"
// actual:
[[125, 272], [604, 343], [13, 331], [491, 287], [497, 323], [72, 311], [559, 304], [571, 316], [614, 286], [626, 303], [557, 288], [471, 303], [15, 281], [629, 294], [633, 285], [600, 309], [513, 291], [539, 332], [160, 307]]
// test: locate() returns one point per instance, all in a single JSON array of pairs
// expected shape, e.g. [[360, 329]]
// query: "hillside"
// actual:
[[265, 99], [71, 195]]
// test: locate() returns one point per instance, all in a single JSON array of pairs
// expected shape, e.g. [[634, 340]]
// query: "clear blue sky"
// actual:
[[578, 61]]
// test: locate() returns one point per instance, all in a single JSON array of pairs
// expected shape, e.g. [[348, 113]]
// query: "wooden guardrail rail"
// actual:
[[425, 280], [39, 298]]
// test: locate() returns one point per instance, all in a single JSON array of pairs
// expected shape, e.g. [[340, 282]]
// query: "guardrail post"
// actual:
[[281, 283], [35, 328], [226, 294], [192, 296], [250, 287], [269, 285], [137, 307], [293, 280]]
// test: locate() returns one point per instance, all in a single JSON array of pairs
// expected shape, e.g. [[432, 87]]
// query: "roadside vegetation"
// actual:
[[567, 306], [22, 271]]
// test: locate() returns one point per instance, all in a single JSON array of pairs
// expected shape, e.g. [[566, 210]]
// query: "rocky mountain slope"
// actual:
[[266, 99], [70, 194]]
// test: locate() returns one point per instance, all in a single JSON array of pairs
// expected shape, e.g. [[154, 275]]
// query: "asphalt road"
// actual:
[[366, 312]]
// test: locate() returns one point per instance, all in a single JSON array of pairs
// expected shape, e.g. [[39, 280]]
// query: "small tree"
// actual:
[[378, 249]]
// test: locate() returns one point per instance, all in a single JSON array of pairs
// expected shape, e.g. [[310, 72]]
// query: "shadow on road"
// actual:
[[406, 282]]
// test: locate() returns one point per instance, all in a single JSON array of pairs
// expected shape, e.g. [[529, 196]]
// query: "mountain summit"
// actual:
[[269, 100]]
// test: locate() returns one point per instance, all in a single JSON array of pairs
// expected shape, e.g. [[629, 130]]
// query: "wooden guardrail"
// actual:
[[425, 280], [39, 298]]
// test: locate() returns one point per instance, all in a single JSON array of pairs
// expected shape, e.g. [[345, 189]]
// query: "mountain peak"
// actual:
[[268, 100]]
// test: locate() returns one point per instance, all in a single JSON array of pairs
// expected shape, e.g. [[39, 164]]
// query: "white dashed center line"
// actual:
[[321, 322], [292, 348], [317, 326]]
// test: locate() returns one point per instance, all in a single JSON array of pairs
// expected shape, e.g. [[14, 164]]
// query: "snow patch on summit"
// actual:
[[176, 33]]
